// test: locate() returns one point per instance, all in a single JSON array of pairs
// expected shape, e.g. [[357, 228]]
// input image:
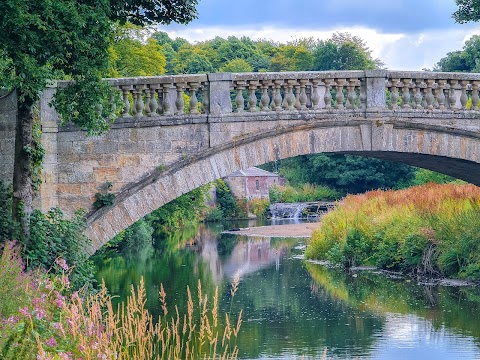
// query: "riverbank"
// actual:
[[431, 231], [304, 230]]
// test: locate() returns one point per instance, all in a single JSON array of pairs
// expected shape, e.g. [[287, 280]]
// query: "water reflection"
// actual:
[[292, 308]]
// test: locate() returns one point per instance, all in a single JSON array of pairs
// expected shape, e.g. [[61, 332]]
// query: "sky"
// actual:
[[404, 34]]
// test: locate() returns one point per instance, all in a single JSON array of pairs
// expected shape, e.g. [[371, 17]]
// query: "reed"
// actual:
[[431, 229], [130, 332]]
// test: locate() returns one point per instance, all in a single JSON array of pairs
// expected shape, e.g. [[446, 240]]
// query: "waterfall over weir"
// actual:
[[299, 210]]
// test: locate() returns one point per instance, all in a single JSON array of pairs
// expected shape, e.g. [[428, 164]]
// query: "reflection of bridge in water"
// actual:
[[157, 150], [249, 254]]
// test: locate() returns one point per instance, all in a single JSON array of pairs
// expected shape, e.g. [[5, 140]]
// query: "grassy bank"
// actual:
[[429, 230], [40, 318]]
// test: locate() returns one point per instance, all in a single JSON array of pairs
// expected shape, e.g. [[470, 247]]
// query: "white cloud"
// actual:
[[398, 51]]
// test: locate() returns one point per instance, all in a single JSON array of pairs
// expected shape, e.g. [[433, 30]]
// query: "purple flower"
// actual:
[[40, 313], [24, 311], [62, 263], [51, 342]]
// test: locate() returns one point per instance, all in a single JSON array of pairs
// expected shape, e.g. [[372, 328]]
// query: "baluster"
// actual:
[[328, 96], [351, 94], [179, 102], [394, 94], [429, 94], [290, 97], [315, 98], [452, 94], [192, 89], [417, 94], [440, 94], [239, 100], [113, 106], [339, 95], [252, 97], [278, 95], [148, 97], [167, 106], [406, 93], [265, 99], [463, 96], [126, 101], [475, 96], [151, 101], [206, 99], [363, 94], [297, 95], [303, 95], [285, 96], [139, 105], [160, 99]]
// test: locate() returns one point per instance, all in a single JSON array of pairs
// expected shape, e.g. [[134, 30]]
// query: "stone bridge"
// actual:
[[176, 133]]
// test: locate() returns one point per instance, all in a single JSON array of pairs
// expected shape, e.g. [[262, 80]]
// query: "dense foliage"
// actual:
[[229, 206], [430, 230], [347, 174], [466, 60], [468, 10], [290, 194]]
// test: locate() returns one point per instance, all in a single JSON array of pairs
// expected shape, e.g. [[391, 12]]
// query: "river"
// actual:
[[294, 308]]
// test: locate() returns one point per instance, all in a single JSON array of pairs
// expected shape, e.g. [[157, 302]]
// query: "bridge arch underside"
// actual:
[[442, 149]]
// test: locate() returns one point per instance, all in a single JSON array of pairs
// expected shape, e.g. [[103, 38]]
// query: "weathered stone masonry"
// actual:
[[156, 151]]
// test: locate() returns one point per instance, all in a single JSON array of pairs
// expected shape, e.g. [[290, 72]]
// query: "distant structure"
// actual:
[[253, 183]]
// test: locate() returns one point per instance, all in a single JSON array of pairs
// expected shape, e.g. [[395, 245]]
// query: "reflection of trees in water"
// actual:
[[453, 307]]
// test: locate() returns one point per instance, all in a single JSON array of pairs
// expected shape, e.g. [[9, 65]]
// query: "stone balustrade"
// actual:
[[299, 91], [433, 91], [345, 91]]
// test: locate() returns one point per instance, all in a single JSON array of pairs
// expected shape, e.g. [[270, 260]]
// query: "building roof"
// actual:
[[254, 172]]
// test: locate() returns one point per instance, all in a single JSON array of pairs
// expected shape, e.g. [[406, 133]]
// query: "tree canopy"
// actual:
[[466, 60], [468, 10]]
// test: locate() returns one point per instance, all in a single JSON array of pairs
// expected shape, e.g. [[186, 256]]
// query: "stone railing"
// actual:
[[162, 95], [219, 94], [433, 91]]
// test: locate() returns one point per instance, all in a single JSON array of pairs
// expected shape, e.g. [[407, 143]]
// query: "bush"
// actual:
[[259, 206], [431, 229], [52, 237], [289, 194]]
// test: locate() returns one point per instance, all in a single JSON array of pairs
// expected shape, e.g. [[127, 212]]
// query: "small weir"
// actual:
[[299, 210]]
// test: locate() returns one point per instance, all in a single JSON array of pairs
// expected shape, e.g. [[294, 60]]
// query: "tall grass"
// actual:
[[431, 229], [40, 320]]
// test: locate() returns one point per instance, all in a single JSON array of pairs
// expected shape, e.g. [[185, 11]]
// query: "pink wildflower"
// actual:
[[62, 263], [40, 313], [24, 311], [51, 342]]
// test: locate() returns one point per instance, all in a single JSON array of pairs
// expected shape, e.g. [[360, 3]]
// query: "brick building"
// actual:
[[252, 183]]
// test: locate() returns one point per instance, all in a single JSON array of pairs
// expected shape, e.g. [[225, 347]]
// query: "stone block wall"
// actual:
[[122, 156]]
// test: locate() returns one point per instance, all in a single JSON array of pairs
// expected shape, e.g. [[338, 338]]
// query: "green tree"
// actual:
[[130, 56], [345, 173], [466, 60], [468, 10], [237, 66], [47, 39], [344, 51]]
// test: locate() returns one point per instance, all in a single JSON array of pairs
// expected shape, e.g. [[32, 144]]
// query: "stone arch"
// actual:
[[454, 152]]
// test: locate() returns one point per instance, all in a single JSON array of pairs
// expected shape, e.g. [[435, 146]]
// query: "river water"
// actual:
[[292, 308]]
